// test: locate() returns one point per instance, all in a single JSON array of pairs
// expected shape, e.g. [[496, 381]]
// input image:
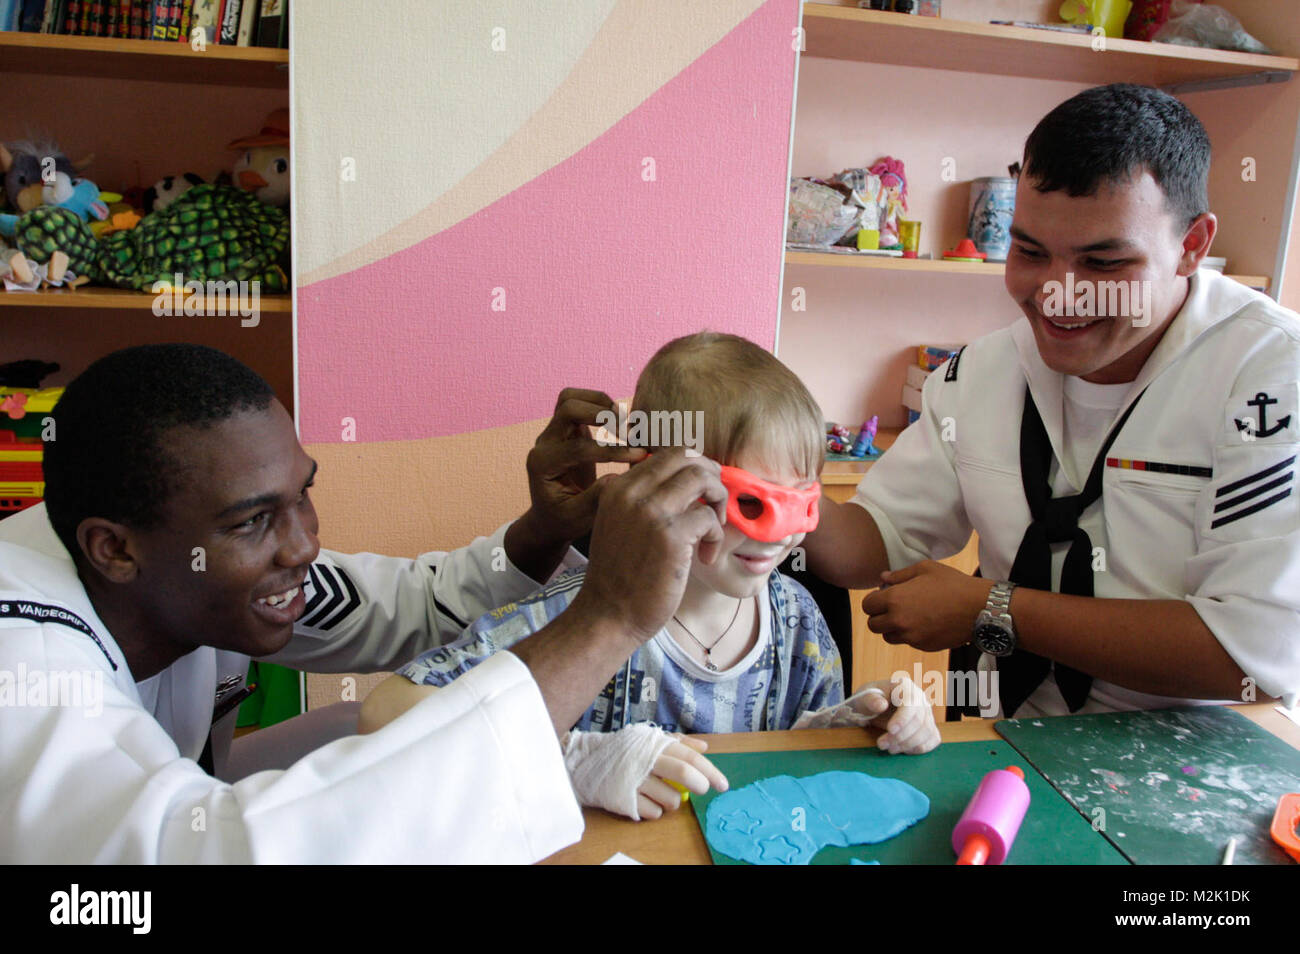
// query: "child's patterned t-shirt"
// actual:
[[793, 667]]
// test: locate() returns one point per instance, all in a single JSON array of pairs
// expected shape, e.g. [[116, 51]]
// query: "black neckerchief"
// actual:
[[1054, 520]]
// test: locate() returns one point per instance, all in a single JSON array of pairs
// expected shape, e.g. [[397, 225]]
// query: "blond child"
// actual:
[[748, 649]]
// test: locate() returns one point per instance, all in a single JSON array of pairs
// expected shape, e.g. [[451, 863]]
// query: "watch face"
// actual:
[[993, 639]]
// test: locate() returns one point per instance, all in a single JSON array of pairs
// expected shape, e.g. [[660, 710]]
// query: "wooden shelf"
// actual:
[[156, 60], [837, 260], [897, 39], [116, 298], [992, 270]]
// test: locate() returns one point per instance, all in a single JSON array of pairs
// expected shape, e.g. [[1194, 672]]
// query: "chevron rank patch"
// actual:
[[1253, 493], [1264, 414], [331, 597]]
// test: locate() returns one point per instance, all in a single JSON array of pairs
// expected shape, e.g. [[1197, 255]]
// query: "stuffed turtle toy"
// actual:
[[210, 233]]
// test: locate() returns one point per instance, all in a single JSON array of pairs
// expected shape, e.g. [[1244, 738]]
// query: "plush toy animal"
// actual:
[[210, 232], [263, 166], [167, 190], [25, 167]]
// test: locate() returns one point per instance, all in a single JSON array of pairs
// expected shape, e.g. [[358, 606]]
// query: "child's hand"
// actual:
[[624, 772], [682, 763], [900, 708]]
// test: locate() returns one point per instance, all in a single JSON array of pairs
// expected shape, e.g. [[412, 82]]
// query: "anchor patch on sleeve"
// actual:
[[1263, 414]]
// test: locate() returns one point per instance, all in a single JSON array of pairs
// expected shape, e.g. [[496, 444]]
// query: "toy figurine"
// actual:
[[80, 196], [864, 446], [65, 196], [893, 199], [838, 438]]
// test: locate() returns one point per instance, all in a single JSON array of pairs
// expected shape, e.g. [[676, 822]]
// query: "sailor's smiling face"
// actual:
[[1125, 233], [225, 567]]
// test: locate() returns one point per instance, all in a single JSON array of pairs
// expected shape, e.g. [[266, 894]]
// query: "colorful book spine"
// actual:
[[268, 24], [149, 18], [30, 16], [247, 22], [229, 32], [183, 24], [158, 26], [205, 19]]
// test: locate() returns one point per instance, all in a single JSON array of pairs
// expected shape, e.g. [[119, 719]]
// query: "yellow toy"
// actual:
[[1110, 15]]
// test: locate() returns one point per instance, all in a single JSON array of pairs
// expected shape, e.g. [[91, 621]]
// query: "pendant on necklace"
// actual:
[[708, 664]]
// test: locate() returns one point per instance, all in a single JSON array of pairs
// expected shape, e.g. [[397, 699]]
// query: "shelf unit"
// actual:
[[919, 265], [847, 33], [860, 317], [75, 326], [92, 296], [173, 62]]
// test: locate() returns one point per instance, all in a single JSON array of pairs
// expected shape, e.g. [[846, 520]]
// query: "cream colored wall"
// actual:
[[435, 494], [420, 490]]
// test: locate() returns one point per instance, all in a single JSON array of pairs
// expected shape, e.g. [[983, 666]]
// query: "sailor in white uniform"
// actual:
[[1130, 472], [119, 671]]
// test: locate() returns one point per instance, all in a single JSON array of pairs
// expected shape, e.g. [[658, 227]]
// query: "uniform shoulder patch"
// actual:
[[1263, 414], [331, 597], [46, 613], [951, 373]]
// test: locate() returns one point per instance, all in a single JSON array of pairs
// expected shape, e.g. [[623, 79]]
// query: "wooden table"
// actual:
[[676, 839]]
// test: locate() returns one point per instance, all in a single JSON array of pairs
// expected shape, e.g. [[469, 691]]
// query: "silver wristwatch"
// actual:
[[994, 632]]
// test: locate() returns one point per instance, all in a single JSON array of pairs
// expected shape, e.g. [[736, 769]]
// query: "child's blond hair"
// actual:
[[752, 403]]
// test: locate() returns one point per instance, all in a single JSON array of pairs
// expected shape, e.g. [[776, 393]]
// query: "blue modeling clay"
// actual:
[[785, 820]]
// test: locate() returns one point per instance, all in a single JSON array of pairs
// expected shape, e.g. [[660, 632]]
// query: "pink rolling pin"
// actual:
[[988, 826]]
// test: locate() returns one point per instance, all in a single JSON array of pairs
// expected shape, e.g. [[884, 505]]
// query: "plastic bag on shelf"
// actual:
[[865, 189], [1205, 25], [820, 214]]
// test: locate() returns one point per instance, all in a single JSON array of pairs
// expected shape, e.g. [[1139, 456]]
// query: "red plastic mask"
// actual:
[[769, 512]]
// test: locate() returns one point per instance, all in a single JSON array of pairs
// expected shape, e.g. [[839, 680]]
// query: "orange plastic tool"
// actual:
[[1284, 824]]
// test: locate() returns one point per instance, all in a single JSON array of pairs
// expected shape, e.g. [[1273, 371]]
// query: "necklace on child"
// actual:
[[708, 661]]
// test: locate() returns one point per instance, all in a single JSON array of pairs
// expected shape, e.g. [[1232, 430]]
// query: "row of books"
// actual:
[[928, 358], [229, 22]]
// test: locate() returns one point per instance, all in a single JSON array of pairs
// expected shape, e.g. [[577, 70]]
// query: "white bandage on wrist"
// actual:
[[846, 713], [607, 768]]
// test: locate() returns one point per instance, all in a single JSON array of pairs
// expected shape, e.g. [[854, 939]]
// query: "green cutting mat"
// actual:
[[1175, 784], [1052, 832]]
